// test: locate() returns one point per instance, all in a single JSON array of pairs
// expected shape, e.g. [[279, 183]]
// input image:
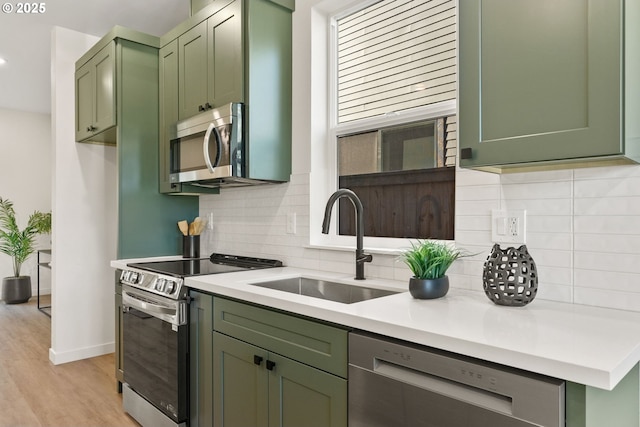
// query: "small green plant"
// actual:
[[428, 259], [20, 244]]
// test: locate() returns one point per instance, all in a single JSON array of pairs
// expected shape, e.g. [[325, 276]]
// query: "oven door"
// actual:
[[155, 344]]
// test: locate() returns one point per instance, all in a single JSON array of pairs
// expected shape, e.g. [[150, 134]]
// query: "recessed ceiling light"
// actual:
[[3, 61]]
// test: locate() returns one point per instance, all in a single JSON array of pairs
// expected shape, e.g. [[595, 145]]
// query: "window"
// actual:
[[395, 55], [393, 119]]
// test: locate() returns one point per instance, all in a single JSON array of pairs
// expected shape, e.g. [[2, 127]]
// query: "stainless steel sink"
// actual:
[[338, 292]]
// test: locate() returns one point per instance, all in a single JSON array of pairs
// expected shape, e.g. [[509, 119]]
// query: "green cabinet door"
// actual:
[[168, 92], [192, 73], [300, 395], [240, 383], [95, 94], [104, 65], [253, 387], [539, 81], [200, 357], [84, 101], [224, 56]]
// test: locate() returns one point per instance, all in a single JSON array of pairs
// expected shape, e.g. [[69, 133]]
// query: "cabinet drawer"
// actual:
[[309, 342]]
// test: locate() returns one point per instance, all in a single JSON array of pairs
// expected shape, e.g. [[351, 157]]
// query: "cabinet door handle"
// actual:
[[466, 153], [270, 365], [200, 108], [257, 359], [208, 106]]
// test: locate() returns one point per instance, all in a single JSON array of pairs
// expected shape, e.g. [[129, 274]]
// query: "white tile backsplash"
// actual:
[[583, 229]]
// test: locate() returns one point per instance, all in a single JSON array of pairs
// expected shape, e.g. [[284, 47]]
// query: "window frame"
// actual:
[[328, 169]]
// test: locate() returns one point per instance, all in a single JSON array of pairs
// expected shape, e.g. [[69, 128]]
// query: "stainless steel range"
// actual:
[[156, 335]]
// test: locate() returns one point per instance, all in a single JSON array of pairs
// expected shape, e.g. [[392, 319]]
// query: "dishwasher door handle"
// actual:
[[435, 384]]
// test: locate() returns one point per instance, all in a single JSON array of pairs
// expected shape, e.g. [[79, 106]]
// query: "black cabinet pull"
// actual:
[[257, 359], [208, 106], [270, 365], [466, 153], [200, 108]]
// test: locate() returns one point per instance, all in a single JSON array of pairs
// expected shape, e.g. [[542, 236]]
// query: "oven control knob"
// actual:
[[160, 284], [125, 276]]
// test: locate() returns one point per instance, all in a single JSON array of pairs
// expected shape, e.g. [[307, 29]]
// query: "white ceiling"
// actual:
[[25, 40]]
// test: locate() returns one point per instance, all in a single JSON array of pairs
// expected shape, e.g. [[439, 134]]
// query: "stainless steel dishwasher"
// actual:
[[394, 383]]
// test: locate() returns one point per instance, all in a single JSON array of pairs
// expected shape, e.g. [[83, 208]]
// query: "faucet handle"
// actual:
[[365, 258]]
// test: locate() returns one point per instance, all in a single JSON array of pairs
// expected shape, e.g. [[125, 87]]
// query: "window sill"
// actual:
[[373, 251]]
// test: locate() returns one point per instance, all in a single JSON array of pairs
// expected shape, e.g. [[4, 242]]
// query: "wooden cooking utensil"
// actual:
[[199, 225], [184, 228]]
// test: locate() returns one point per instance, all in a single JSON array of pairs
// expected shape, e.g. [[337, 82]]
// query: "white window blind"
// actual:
[[395, 55]]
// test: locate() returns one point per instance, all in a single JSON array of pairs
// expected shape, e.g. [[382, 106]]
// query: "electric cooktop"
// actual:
[[215, 264]]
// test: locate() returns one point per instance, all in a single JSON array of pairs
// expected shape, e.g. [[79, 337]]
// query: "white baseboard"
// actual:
[[60, 357]]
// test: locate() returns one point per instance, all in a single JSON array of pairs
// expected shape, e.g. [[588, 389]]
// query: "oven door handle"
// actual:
[[133, 301], [205, 147]]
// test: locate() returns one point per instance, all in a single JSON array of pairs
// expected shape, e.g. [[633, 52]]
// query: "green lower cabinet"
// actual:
[[254, 387], [200, 356], [594, 407], [300, 395]]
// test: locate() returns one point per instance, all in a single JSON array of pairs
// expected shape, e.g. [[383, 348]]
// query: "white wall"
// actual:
[[84, 220], [25, 178], [583, 224]]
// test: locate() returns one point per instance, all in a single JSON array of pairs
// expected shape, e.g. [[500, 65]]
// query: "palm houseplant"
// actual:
[[19, 245], [429, 260]]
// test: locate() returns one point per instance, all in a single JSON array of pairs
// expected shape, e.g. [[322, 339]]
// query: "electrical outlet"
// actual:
[[509, 226], [514, 226]]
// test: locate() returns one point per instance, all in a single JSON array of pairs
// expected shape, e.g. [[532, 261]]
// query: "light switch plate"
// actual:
[[509, 226], [291, 223]]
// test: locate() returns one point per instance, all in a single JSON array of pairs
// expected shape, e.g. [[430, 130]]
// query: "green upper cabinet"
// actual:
[[210, 62], [192, 71], [198, 5], [232, 51], [224, 56], [126, 61], [544, 82], [168, 78], [96, 96]]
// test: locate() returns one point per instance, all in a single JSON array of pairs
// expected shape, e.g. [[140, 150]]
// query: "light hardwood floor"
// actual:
[[34, 392]]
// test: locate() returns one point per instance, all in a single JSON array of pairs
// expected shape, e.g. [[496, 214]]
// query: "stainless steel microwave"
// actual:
[[208, 148]]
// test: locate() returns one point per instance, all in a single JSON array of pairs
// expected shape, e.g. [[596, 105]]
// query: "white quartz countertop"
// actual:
[[587, 345]]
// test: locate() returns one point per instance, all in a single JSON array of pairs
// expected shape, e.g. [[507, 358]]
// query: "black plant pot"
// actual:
[[428, 288], [16, 290]]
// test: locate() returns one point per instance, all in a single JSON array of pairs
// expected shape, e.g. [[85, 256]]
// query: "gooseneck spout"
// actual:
[[361, 257]]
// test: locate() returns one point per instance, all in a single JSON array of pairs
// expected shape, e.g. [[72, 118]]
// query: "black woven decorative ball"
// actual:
[[510, 276]]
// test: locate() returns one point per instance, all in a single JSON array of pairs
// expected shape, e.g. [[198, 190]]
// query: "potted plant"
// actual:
[[19, 245], [429, 260]]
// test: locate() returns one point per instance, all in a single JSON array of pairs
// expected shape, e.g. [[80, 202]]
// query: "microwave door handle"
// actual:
[[205, 147]]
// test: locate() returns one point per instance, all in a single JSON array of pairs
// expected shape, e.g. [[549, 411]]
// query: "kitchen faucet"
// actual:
[[361, 257]]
